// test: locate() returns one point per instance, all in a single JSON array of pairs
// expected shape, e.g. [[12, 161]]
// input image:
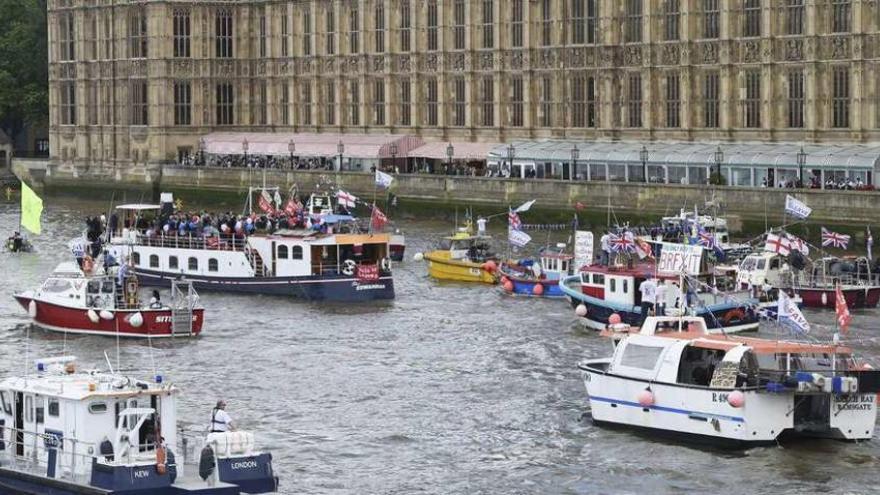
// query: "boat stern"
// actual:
[[252, 473]]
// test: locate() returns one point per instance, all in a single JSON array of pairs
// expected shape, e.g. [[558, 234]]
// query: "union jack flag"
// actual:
[[513, 220], [706, 239], [623, 243], [834, 239]]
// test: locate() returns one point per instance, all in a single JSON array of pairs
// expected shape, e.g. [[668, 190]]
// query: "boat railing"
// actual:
[[72, 461], [831, 281], [221, 243]]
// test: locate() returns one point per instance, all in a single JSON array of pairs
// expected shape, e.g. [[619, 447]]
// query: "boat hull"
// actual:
[[700, 413], [156, 322], [442, 268], [856, 297], [523, 286], [316, 288]]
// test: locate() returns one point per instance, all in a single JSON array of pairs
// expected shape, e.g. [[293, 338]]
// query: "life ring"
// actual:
[[734, 314], [348, 267], [386, 264], [88, 264]]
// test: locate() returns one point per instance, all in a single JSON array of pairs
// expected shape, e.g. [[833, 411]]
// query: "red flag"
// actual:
[[265, 203], [291, 208], [378, 219], [843, 316], [579, 206]]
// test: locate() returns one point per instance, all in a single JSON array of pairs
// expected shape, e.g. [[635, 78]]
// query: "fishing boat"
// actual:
[[610, 294], [320, 204], [463, 257], [73, 300], [64, 431], [673, 377], [689, 223], [332, 261], [815, 282], [538, 276]]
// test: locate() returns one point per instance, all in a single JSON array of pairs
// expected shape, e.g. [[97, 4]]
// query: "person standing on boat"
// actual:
[[605, 244], [481, 226], [221, 422], [661, 295], [648, 288]]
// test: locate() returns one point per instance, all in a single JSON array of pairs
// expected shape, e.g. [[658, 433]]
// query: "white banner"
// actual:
[[678, 258], [518, 238], [583, 249], [797, 208], [790, 315]]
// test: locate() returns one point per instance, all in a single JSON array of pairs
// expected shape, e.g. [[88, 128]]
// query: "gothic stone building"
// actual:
[[138, 82]]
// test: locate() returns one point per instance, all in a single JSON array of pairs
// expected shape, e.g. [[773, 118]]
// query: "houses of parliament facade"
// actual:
[[139, 82]]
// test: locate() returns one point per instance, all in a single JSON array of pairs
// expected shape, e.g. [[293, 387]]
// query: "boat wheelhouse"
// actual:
[[715, 225], [71, 300], [674, 377], [463, 257], [538, 276], [67, 432]]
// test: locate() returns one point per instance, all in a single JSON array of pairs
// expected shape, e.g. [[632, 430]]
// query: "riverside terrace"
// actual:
[[787, 165]]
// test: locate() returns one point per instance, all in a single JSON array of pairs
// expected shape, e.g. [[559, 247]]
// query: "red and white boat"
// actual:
[[100, 303]]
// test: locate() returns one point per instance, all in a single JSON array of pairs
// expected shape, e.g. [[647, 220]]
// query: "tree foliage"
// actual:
[[24, 65]]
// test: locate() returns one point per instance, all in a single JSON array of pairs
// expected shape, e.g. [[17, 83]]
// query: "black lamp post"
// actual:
[[450, 151], [575, 155], [291, 147], [393, 149], [340, 148], [719, 157], [801, 161], [643, 154], [511, 154], [202, 151]]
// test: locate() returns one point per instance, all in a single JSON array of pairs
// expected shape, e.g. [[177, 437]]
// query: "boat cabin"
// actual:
[[465, 246], [764, 266], [319, 204], [831, 271], [74, 423]]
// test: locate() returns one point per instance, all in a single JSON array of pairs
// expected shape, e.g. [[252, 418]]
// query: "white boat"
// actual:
[[673, 377], [66, 432], [715, 225]]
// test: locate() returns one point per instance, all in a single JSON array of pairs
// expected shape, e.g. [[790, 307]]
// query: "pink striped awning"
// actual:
[[310, 144], [460, 150]]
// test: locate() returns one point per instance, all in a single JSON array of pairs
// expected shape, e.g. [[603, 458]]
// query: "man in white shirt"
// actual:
[[481, 226], [661, 294], [605, 243], [648, 288], [221, 422]]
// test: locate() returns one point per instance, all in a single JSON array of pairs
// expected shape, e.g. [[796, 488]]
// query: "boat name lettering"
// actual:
[[141, 473], [244, 465], [719, 397], [370, 287], [167, 319], [855, 403]]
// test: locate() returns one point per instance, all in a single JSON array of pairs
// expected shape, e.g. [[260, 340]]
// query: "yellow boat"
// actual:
[[463, 257]]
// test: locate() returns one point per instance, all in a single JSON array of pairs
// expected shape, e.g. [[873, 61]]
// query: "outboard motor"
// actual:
[[206, 463]]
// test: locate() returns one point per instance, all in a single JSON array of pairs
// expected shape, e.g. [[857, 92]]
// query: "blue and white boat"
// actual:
[[538, 276], [71, 432]]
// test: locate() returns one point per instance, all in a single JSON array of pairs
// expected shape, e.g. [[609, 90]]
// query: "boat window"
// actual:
[[641, 356], [56, 285], [625, 286], [213, 266], [94, 286], [28, 408], [98, 407], [107, 287], [193, 264], [7, 407], [697, 365], [136, 258], [774, 263], [54, 408], [41, 411], [296, 252], [282, 252], [613, 284], [154, 261], [585, 278], [598, 279], [762, 264], [172, 262]]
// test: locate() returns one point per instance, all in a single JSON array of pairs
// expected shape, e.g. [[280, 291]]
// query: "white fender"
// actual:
[[136, 320], [32, 309], [418, 257], [93, 317], [107, 315], [386, 264], [349, 267]]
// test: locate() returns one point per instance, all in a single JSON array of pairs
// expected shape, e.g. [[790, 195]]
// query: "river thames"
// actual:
[[449, 389]]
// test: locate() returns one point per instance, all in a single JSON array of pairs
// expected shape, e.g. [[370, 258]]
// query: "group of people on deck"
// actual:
[[657, 295]]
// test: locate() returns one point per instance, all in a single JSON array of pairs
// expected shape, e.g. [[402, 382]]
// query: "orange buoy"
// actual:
[[538, 289]]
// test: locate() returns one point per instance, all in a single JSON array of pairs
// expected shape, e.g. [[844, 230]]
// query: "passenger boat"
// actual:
[[70, 432], [675, 378], [100, 303], [335, 263], [537, 277], [320, 205], [815, 282], [599, 291], [463, 257]]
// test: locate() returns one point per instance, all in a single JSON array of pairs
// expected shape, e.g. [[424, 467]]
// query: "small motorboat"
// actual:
[[537, 277], [18, 243], [673, 377], [71, 432], [463, 257], [73, 300]]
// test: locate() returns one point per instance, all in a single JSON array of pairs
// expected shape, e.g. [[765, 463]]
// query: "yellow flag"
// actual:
[[31, 209]]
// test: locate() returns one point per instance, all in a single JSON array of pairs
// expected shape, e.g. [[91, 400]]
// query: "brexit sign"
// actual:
[[679, 258]]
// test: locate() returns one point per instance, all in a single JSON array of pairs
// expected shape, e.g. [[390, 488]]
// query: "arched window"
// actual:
[[282, 252], [296, 253], [193, 264], [212, 265], [172, 262], [136, 258], [154, 261]]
